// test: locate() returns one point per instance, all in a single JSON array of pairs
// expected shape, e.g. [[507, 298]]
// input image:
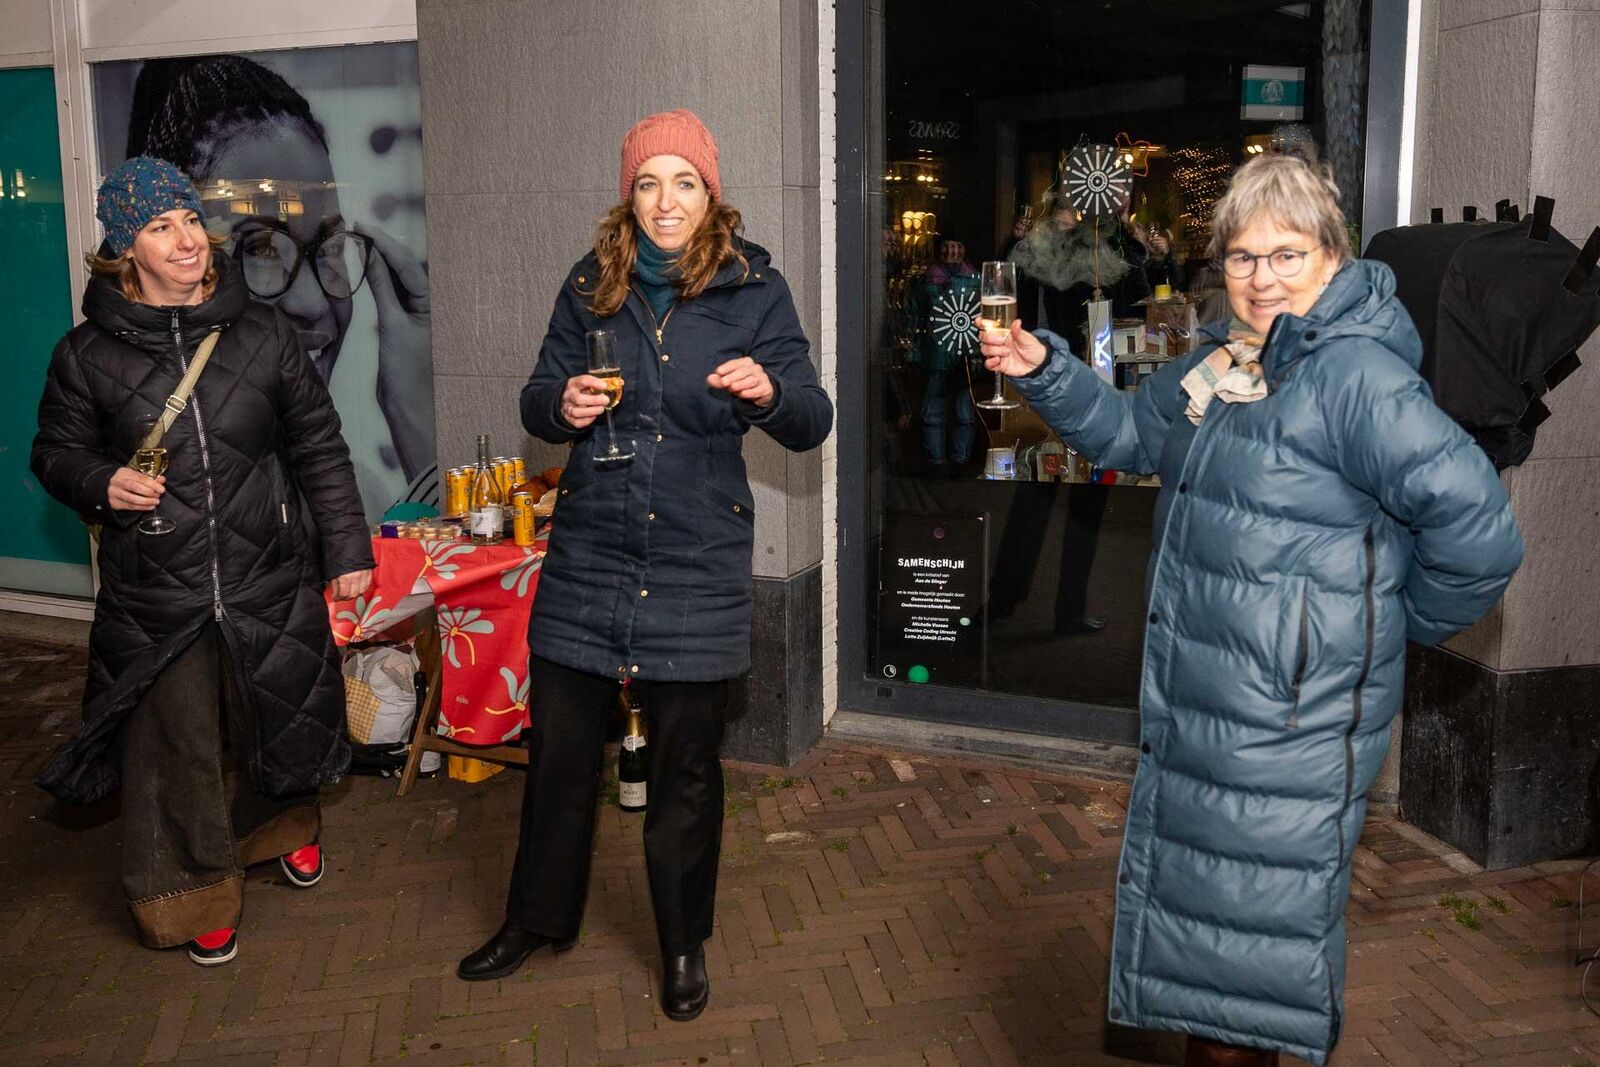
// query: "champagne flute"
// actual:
[[603, 364], [997, 302], [150, 458]]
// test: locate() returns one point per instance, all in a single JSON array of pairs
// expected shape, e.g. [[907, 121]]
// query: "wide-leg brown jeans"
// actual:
[[185, 839]]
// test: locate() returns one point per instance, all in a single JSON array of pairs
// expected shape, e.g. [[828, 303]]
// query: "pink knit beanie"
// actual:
[[671, 133]]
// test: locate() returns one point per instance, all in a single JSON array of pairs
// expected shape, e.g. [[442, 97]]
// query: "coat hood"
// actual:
[[1359, 302], [150, 325]]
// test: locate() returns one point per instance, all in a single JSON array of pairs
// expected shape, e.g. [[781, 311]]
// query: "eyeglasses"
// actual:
[[1285, 262], [271, 259]]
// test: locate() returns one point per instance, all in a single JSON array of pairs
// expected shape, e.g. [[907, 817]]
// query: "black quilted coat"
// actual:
[[264, 497]]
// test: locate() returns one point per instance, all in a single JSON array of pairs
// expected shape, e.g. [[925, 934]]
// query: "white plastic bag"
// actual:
[[380, 694]]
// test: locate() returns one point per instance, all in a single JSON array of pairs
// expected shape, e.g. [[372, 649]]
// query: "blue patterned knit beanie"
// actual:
[[138, 191]]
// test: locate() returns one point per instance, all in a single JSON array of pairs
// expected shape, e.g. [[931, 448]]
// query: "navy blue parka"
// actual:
[[649, 570]]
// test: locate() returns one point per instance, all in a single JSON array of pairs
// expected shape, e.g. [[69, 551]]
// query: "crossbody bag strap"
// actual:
[[173, 406]]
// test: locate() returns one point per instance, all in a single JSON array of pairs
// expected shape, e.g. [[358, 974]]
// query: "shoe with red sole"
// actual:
[[303, 866], [215, 948]]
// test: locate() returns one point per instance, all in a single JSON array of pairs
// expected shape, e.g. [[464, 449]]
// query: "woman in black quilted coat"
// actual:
[[215, 634]]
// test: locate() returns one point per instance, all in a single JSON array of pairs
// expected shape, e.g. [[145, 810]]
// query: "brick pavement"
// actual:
[[875, 908]]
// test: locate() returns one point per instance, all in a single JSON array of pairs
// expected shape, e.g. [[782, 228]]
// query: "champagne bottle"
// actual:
[[631, 789], [487, 516]]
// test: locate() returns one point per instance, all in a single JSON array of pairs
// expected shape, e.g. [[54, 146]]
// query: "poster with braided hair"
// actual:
[[309, 162]]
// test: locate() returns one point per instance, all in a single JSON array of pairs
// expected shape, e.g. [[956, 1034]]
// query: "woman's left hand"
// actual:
[[347, 586], [745, 379]]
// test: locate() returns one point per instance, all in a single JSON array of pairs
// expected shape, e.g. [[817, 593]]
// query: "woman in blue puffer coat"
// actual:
[[1316, 511], [649, 576]]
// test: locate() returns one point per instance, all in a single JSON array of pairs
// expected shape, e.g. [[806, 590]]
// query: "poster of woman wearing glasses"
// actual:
[[310, 162]]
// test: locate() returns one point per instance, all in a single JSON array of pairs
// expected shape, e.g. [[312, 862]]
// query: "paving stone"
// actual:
[[876, 908]]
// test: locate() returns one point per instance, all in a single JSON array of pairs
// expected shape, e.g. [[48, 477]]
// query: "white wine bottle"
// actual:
[[486, 518], [632, 793]]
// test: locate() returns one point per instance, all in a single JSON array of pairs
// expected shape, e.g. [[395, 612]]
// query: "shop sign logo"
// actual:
[[934, 130]]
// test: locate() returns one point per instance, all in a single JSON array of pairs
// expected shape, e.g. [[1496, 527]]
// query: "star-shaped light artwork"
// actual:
[[955, 321], [1097, 179]]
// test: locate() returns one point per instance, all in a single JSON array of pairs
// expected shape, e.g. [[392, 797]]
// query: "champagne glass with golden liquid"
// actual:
[[604, 364], [150, 458], [997, 310]]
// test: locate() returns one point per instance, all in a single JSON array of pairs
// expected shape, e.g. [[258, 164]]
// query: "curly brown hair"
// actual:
[[709, 247], [127, 275]]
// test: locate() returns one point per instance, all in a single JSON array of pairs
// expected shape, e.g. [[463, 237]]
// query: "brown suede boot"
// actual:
[[1203, 1053]]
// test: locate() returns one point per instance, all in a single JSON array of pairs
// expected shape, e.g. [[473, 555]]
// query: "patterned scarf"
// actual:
[[1231, 374]]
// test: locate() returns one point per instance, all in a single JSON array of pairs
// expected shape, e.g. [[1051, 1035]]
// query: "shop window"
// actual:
[[43, 546], [1087, 144]]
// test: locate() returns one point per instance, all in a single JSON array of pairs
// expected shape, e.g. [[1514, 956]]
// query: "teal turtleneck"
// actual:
[[655, 270]]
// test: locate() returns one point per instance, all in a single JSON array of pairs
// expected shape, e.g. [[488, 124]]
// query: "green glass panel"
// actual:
[[36, 309]]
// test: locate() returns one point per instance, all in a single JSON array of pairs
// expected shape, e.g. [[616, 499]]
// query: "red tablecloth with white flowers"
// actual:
[[482, 595]]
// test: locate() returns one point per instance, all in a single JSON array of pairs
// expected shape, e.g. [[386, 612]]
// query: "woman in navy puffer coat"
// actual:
[[648, 579], [1317, 509]]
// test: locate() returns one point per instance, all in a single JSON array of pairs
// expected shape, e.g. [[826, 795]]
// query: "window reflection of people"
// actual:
[[226, 119], [217, 627], [1162, 267], [1316, 511], [1060, 264], [948, 302]]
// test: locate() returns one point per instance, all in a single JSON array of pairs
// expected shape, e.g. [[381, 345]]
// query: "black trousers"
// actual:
[[682, 827], [185, 839], [1022, 542]]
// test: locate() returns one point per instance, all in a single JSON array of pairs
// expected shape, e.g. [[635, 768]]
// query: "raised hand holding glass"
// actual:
[[997, 304], [603, 364], [150, 459]]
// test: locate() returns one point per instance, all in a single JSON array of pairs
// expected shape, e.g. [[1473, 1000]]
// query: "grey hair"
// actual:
[[1292, 193]]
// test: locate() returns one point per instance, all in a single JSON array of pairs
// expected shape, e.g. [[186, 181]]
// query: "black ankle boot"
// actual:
[[684, 986], [503, 953]]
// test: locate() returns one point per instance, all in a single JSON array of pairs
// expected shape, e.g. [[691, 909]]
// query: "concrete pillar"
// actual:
[[524, 108], [1507, 108]]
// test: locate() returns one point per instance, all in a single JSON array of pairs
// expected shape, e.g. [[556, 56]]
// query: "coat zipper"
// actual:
[[205, 468], [1300, 658], [657, 326], [1189, 459], [1371, 554], [1334, 1022]]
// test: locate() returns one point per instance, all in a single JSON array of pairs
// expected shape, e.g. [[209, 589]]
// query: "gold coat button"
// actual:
[[736, 508], [644, 592], [665, 358], [635, 668], [652, 516]]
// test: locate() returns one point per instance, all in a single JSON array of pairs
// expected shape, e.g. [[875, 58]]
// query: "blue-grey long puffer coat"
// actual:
[[1300, 540], [649, 571]]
